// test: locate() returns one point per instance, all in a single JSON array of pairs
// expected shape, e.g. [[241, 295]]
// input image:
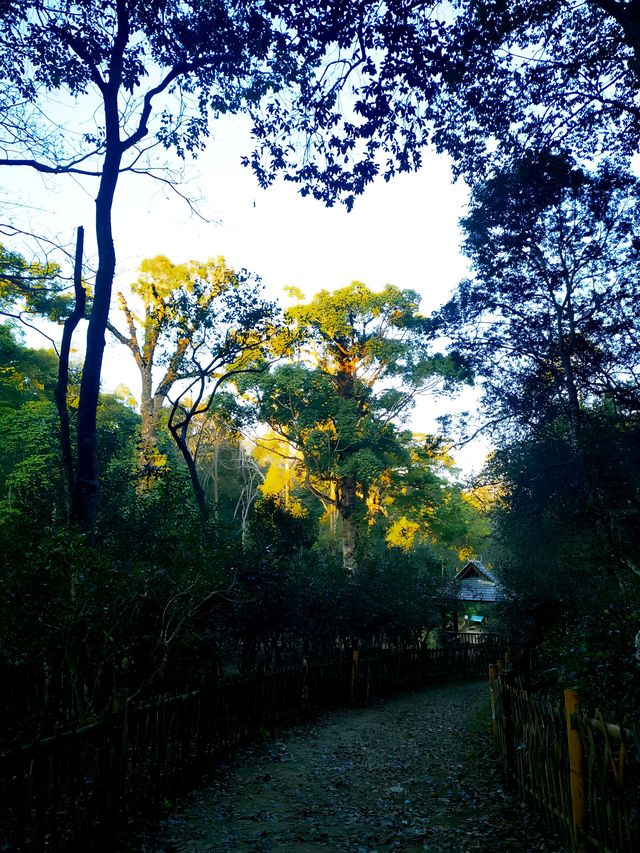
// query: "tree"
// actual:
[[152, 75], [422, 504], [31, 487], [251, 476], [549, 319], [231, 338], [532, 73], [172, 314], [361, 358], [203, 324], [568, 556], [38, 289], [215, 445], [62, 385], [27, 374], [29, 288]]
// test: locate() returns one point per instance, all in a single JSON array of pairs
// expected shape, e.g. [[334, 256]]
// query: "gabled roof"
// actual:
[[474, 568], [474, 583]]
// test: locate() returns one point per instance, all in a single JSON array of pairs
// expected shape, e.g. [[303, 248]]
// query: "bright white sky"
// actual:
[[404, 232]]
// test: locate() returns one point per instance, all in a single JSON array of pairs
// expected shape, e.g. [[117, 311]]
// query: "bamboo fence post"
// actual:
[[355, 669], [576, 770], [204, 716], [493, 674], [509, 734], [304, 698], [116, 758]]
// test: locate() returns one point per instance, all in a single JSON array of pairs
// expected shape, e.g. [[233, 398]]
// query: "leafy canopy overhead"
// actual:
[[338, 92], [549, 318], [335, 90], [542, 74]]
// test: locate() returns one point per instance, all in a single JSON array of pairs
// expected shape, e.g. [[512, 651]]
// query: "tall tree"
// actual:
[[177, 299], [30, 289], [361, 359], [231, 337], [203, 324], [549, 318], [62, 385], [152, 74]]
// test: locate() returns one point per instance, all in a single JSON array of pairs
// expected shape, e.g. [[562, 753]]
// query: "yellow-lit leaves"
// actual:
[[402, 534]]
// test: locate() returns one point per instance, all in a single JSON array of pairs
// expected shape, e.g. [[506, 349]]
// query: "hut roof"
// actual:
[[476, 583]]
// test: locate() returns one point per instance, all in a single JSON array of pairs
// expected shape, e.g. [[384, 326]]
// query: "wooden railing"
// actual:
[[580, 770], [80, 784], [472, 638]]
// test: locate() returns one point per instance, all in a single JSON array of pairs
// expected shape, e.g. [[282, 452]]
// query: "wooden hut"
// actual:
[[473, 584]]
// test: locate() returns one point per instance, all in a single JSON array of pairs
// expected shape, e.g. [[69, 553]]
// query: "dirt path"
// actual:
[[411, 773]]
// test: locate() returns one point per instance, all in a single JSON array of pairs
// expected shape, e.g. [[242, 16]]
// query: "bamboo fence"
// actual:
[[71, 791], [579, 770]]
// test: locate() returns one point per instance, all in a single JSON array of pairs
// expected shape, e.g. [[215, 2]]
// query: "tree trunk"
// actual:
[[575, 414], [151, 462], [148, 437], [62, 385], [349, 543], [346, 486], [216, 482], [346, 497], [85, 503], [179, 434], [565, 339]]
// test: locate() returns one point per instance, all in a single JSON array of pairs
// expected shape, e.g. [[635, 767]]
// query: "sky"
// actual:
[[404, 232]]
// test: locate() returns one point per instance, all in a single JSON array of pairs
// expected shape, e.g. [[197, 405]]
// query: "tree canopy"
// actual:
[[203, 325], [31, 288], [360, 358], [154, 75], [549, 318], [531, 73]]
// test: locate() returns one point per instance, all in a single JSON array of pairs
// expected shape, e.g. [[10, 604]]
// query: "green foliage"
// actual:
[[549, 318], [566, 545], [360, 357], [32, 490], [32, 288], [394, 597], [296, 595], [266, 614], [275, 529], [203, 325], [378, 337], [593, 652], [25, 374], [420, 491]]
